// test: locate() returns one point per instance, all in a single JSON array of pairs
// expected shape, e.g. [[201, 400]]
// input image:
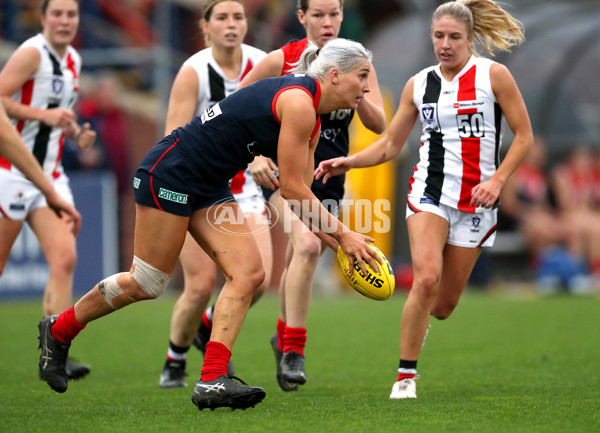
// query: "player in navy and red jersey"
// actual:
[[322, 20], [204, 79], [39, 86], [182, 185], [452, 203]]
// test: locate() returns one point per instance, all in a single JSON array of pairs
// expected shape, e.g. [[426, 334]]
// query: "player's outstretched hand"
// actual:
[[332, 167]]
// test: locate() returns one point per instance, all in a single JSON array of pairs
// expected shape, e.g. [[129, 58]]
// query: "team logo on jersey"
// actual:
[[136, 183], [210, 113], [475, 221], [429, 118], [58, 84]]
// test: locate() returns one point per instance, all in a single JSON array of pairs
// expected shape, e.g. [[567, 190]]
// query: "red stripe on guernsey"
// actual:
[[487, 235], [412, 179], [248, 68], [4, 163], [471, 175], [152, 189], [161, 156], [316, 98], [26, 95], [237, 183], [4, 214], [71, 67], [61, 143]]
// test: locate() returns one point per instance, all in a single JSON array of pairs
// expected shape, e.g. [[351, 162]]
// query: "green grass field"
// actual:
[[499, 364]]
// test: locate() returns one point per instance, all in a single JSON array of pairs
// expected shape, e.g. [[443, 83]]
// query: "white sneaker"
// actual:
[[405, 388]]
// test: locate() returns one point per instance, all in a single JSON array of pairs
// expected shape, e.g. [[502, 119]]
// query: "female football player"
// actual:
[[182, 185], [453, 198], [39, 86], [205, 78]]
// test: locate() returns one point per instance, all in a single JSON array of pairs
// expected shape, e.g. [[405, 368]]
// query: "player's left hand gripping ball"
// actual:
[[375, 285]]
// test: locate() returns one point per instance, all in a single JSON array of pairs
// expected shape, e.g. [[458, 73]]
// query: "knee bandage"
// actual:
[[112, 292], [153, 281]]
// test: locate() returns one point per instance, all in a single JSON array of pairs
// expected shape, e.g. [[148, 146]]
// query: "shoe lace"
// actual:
[[239, 380]]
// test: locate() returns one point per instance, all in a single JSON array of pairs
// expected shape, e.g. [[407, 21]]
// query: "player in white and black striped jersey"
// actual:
[[453, 198], [39, 86]]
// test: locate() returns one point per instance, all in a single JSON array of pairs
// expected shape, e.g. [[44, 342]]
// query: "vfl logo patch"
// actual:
[[429, 118], [172, 196], [57, 85], [136, 182], [210, 113], [475, 224]]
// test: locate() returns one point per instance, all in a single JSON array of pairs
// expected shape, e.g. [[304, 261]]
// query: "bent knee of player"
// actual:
[[443, 310]]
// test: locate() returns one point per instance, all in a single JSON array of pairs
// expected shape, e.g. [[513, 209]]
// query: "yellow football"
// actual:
[[374, 285]]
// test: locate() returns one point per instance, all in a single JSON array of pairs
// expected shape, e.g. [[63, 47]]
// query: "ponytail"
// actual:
[[486, 22]]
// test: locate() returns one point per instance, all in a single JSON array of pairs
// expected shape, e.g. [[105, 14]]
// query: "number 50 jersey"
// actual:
[[462, 133]]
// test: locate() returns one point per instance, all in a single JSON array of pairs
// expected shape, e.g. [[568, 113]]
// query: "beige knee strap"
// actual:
[[112, 292], [152, 280]]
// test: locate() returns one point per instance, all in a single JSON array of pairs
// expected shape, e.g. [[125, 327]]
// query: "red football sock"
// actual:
[[66, 327], [294, 339], [280, 332], [215, 361]]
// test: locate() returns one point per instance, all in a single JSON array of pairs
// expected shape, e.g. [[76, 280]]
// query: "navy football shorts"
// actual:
[[165, 180]]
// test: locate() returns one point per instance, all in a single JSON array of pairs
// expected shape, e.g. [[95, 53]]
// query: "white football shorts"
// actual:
[[19, 197], [465, 229]]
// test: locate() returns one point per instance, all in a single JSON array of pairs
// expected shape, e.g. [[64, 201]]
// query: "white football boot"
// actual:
[[405, 388]]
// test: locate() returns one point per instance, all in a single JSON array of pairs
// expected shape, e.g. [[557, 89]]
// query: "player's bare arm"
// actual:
[[183, 99]]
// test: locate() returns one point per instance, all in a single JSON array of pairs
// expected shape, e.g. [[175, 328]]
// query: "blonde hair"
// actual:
[[486, 22], [207, 13], [339, 53]]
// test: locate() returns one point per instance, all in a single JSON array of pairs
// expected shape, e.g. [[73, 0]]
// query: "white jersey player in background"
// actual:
[[204, 79], [39, 86], [452, 203]]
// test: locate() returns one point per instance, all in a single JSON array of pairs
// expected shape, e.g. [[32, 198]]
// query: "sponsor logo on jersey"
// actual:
[[136, 183], [210, 113], [172, 196], [468, 104], [330, 134]]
